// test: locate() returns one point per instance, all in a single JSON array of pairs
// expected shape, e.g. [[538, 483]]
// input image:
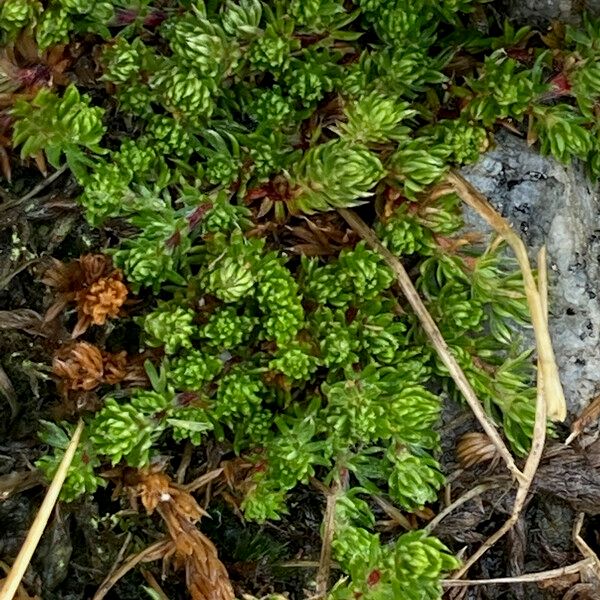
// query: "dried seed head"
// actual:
[[475, 448], [80, 366], [99, 302], [93, 283], [115, 367]]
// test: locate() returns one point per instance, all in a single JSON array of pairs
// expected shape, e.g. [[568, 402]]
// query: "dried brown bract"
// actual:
[[93, 284], [475, 448], [83, 367], [79, 366], [320, 235]]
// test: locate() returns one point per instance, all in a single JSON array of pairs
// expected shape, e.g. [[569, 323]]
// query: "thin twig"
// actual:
[[392, 512], [554, 396], [468, 495], [322, 578], [34, 192], [434, 335], [203, 480], [537, 442], [585, 549], [120, 555], [186, 459], [527, 578], [154, 552], [11, 585], [149, 577]]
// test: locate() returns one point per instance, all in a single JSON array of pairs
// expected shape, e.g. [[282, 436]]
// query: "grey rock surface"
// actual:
[[557, 205], [542, 12]]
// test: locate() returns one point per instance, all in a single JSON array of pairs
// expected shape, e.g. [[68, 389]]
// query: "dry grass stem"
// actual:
[[154, 584], [322, 579], [537, 443], [469, 495], [434, 335], [12, 582], [154, 552], [527, 578], [554, 396]]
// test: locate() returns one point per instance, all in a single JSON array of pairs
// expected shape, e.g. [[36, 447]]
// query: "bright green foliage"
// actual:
[[414, 480], [16, 14], [465, 141], [279, 301], [226, 329], [192, 370], [360, 274], [128, 430], [240, 391], [416, 165], [339, 341], [369, 405], [404, 235], [289, 458], [334, 175], [189, 423], [376, 118], [410, 567], [58, 126], [198, 43], [81, 476], [295, 362], [182, 91], [584, 77], [222, 216], [171, 326], [317, 15], [562, 132], [310, 76], [123, 60], [504, 89], [232, 121]]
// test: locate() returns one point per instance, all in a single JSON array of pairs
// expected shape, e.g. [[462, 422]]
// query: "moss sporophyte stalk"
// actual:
[[230, 127]]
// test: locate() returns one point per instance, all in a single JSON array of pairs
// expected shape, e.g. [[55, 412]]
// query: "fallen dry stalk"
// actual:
[[154, 552], [12, 582], [468, 495], [434, 335], [322, 579], [554, 396], [537, 442], [527, 578]]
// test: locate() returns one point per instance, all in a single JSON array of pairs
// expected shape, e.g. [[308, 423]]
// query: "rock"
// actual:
[[557, 205], [542, 12]]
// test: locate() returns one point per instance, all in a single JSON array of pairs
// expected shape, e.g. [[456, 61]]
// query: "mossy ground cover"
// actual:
[[212, 314]]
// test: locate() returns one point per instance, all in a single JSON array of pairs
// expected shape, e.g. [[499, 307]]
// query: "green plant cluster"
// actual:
[[309, 367]]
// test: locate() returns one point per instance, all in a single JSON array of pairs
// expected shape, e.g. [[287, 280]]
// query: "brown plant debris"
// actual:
[[320, 235], [188, 548], [589, 416], [474, 448], [93, 284], [83, 366]]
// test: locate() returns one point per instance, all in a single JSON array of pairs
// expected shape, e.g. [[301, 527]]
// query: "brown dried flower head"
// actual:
[[93, 284], [83, 366], [80, 366]]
